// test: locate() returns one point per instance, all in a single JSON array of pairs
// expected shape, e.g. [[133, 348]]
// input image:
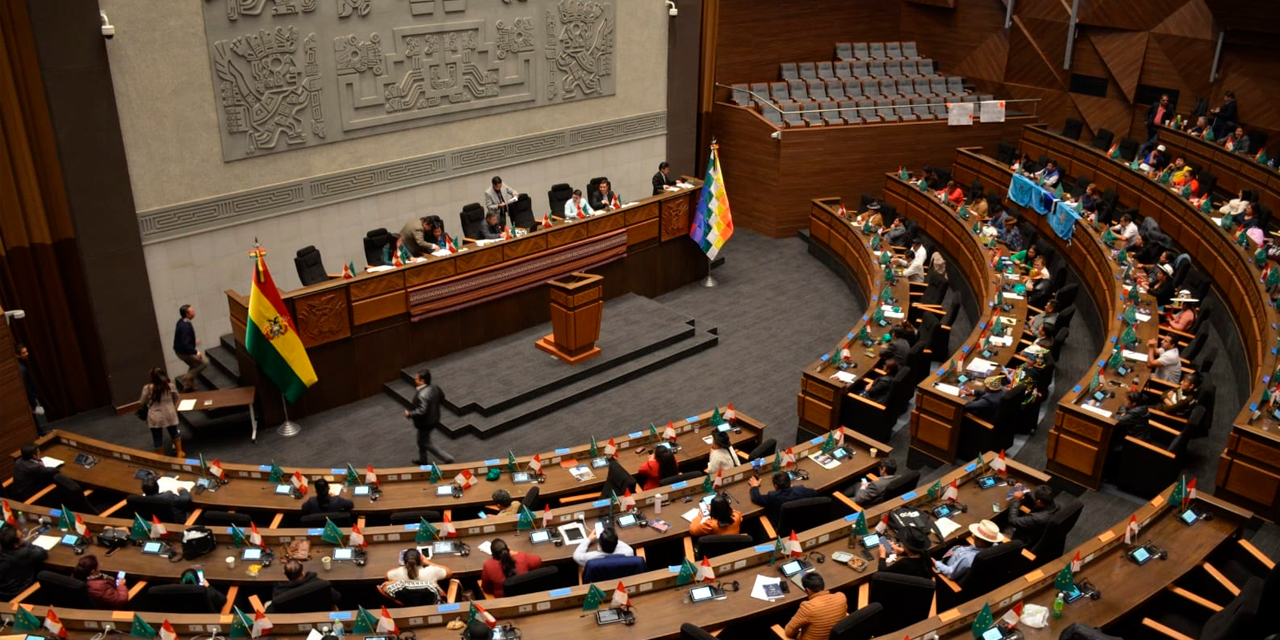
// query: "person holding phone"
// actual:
[[217, 599], [106, 592], [912, 552], [721, 519]]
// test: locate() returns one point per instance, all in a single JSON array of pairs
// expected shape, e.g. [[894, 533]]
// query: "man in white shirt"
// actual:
[[610, 545], [914, 270], [1126, 229], [1163, 359], [577, 207]]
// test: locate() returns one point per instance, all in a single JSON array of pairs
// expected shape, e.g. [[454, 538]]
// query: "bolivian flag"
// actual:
[[272, 339]]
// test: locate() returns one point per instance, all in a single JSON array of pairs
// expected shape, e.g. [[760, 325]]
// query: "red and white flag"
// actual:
[[842, 212], [395, 257], [718, 481], [952, 492], [255, 538], [157, 528], [626, 502], [546, 221], [261, 625], [535, 463], [670, 432], [356, 538], [793, 545], [788, 458], [610, 448], [546, 517], [465, 479], [485, 616], [729, 414], [299, 482], [883, 525], [53, 624], [387, 624], [216, 471], [998, 464], [1191, 491], [346, 272], [167, 632], [1012, 616], [1076, 563], [1131, 531], [447, 528], [620, 597], [705, 572], [369, 476], [81, 528], [8, 514]]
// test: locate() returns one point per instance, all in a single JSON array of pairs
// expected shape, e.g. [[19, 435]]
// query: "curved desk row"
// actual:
[[655, 595], [1249, 468], [1082, 426], [403, 489], [938, 414], [824, 384], [386, 542], [1234, 171]]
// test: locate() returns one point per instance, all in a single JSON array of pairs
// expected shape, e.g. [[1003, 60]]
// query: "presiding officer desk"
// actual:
[[1083, 426], [361, 332], [656, 597], [403, 488], [1249, 468]]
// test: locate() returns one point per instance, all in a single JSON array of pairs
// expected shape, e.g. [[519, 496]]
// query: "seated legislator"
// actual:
[[490, 230], [1198, 127], [505, 564], [415, 568], [1126, 229], [1237, 142], [1090, 199], [1039, 271], [20, 561], [216, 597], [978, 205], [721, 519], [499, 196], [782, 493], [986, 401], [953, 194], [1043, 340], [576, 207], [1162, 358], [106, 592], [1181, 401], [913, 269], [912, 554], [897, 234], [1236, 205], [1010, 234], [661, 464], [604, 199], [1049, 175], [507, 506], [1178, 171], [956, 561], [1048, 316], [323, 502], [181, 499], [870, 220], [897, 348], [1132, 419], [819, 612], [878, 391], [930, 178], [1027, 527], [722, 457], [1025, 258], [609, 545], [297, 578], [1154, 162], [1182, 319], [871, 492], [29, 473], [662, 179], [418, 237], [1162, 288]]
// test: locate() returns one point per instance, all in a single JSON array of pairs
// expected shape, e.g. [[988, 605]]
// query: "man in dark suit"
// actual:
[[897, 348], [29, 473], [296, 578], [1028, 527], [1225, 116], [782, 493], [872, 492], [1158, 116], [426, 416], [986, 401], [878, 391], [184, 346], [662, 179], [603, 198], [181, 500]]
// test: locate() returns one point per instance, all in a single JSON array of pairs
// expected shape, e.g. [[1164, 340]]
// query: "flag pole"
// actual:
[[709, 282], [288, 428]]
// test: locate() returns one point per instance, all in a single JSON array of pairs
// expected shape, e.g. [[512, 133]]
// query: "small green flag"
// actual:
[[1000, 298], [1206, 205], [922, 185], [977, 226], [1115, 360], [352, 267], [935, 490], [983, 622], [860, 524], [594, 598], [1166, 176], [866, 226], [830, 443], [277, 474], [426, 532], [708, 485], [877, 316], [1108, 236], [903, 174], [1123, 256], [1131, 315], [997, 328], [863, 333], [1261, 158], [1242, 238], [240, 625], [1186, 190], [1115, 152], [1133, 292], [141, 629], [67, 521], [778, 549], [238, 538], [595, 449], [1135, 164], [524, 519], [1128, 336], [1057, 192], [364, 623], [876, 242], [1065, 581], [353, 479], [885, 258], [457, 243], [140, 530], [716, 418], [24, 620], [1273, 276], [687, 572], [1208, 134], [435, 474], [653, 432], [1228, 220], [1260, 257], [332, 534], [963, 212], [1093, 383], [511, 462], [404, 254], [777, 461], [886, 296], [1179, 490]]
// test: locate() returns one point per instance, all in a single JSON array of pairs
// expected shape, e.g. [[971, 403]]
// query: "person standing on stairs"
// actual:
[[160, 399], [184, 346]]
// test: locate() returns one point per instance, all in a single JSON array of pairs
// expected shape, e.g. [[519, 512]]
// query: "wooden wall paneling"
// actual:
[[1192, 59], [17, 426], [1055, 10], [1192, 20], [749, 160], [1105, 113], [952, 43], [1253, 73], [1127, 14], [1246, 16], [986, 61], [1032, 63], [1122, 52]]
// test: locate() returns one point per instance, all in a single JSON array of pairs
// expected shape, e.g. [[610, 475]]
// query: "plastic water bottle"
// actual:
[[1058, 604], [22, 518], [337, 624]]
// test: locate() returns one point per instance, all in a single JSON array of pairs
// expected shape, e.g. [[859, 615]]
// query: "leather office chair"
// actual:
[[1128, 149], [532, 499], [1145, 464], [310, 268], [876, 420], [1240, 618], [1072, 129], [64, 591], [317, 520], [688, 631], [419, 596], [617, 481], [1060, 338], [472, 218], [180, 598], [540, 579], [224, 519], [1005, 153], [315, 596], [414, 517], [70, 495], [862, 624], [803, 514], [991, 568], [696, 474], [611, 567], [522, 213], [1102, 140], [375, 242], [905, 599], [558, 195], [765, 449], [919, 359], [978, 435], [716, 545], [1053, 540], [901, 483], [1066, 296], [158, 506], [935, 289]]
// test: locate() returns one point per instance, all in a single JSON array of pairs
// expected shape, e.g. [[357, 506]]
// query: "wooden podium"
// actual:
[[577, 304]]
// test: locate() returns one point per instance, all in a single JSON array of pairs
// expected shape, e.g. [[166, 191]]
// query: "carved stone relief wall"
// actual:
[[290, 74]]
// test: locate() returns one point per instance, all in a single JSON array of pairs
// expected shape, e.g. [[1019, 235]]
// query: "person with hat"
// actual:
[[872, 215], [1162, 289], [914, 268], [1154, 161], [912, 551], [1162, 358], [957, 560], [986, 401]]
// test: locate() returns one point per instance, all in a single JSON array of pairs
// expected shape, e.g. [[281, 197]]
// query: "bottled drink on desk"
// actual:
[[1058, 604]]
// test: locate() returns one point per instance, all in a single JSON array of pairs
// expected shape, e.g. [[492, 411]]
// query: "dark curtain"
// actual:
[[40, 266]]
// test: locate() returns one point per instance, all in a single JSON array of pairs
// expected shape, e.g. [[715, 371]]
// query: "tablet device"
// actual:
[[444, 490], [1073, 594], [700, 594], [573, 533], [362, 490], [944, 510], [1122, 370], [84, 460], [1276, 414], [1140, 555], [871, 541], [70, 539], [994, 633], [608, 616], [425, 552], [143, 474], [1189, 517], [596, 463], [792, 568], [520, 477], [540, 536], [724, 427], [202, 482], [986, 482], [626, 520], [342, 554], [1100, 396], [445, 547], [840, 453], [251, 553], [283, 489], [152, 548]]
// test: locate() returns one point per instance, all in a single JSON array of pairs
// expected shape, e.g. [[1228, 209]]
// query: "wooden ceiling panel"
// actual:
[[1123, 52], [1052, 10], [1050, 39], [1159, 71], [1130, 15], [1246, 15], [1192, 20], [987, 61], [1192, 58], [1104, 113]]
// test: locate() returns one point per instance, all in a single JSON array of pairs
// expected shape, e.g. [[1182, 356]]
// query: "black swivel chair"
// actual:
[[310, 268], [906, 599], [803, 514], [687, 475], [224, 519], [716, 545], [765, 449], [978, 435], [472, 219], [618, 480], [540, 579], [414, 517], [1005, 153], [1072, 129], [594, 186], [180, 598], [862, 624], [1102, 139], [1144, 464], [688, 631], [317, 520], [1053, 540], [612, 567], [522, 213], [70, 495], [374, 243], [158, 506], [318, 595], [557, 196], [991, 568], [64, 591], [1128, 149]]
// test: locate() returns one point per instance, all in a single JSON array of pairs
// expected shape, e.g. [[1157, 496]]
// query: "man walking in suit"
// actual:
[[426, 416], [184, 345], [662, 179]]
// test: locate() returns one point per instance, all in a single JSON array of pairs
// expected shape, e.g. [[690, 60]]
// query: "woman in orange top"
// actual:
[[662, 464], [720, 520], [954, 194]]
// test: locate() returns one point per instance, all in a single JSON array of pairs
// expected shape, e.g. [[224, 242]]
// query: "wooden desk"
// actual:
[[822, 394], [1249, 468], [386, 542], [1234, 171], [1080, 438], [359, 333], [403, 489], [658, 604], [225, 399], [1124, 585], [936, 419]]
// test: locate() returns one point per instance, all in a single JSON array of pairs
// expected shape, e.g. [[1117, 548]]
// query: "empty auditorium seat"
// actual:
[[740, 95], [835, 89], [771, 114], [893, 50], [903, 87], [955, 85], [876, 49], [853, 88], [869, 114], [909, 69], [850, 117], [829, 114], [884, 109], [920, 86], [844, 51], [902, 109], [871, 88], [789, 71], [791, 115], [778, 93], [808, 71], [825, 71], [909, 51], [817, 90], [888, 88], [920, 108], [842, 70], [893, 68], [926, 68], [859, 69], [876, 69]]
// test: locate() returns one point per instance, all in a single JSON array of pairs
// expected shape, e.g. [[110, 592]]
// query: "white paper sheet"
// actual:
[[51, 461], [484, 546], [378, 269], [186, 405], [690, 514], [981, 366], [1012, 296], [1142, 317], [845, 377], [45, 542], [1102, 412], [172, 485], [1002, 341], [959, 113], [1133, 355], [946, 526], [757, 590], [946, 388], [890, 313]]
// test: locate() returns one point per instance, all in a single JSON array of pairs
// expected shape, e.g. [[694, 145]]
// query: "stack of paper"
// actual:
[[187, 404], [51, 461], [1102, 412], [1133, 355], [981, 366], [845, 377], [173, 485], [760, 592], [946, 388], [946, 526]]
